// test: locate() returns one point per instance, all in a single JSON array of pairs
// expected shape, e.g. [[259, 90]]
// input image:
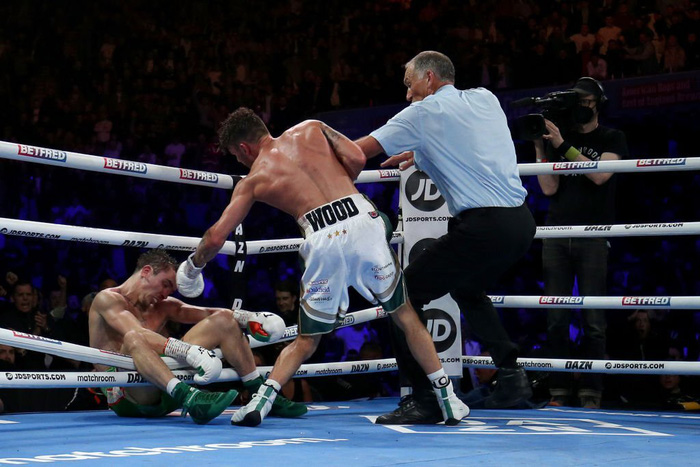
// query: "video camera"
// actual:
[[558, 106]]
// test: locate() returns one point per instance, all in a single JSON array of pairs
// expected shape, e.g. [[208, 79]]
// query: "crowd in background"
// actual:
[[150, 82]]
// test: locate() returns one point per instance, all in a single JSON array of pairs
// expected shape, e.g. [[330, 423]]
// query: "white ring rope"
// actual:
[[674, 164], [351, 319], [585, 302], [27, 153], [618, 230], [91, 355], [74, 233], [74, 160], [94, 379], [47, 379], [650, 367], [72, 351]]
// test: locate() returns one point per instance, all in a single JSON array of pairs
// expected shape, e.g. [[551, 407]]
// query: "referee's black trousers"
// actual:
[[480, 246]]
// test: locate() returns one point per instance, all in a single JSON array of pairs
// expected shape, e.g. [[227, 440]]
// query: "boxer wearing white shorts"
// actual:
[[346, 246], [308, 172]]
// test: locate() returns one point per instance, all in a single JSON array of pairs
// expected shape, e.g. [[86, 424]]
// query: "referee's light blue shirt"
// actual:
[[462, 141]]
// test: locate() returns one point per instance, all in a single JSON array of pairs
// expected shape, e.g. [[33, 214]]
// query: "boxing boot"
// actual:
[[203, 406], [281, 407]]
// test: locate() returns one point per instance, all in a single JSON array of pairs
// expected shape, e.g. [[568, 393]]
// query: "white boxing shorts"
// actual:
[[346, 245]]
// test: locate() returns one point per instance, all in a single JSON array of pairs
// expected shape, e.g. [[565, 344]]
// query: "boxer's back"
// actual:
[[300, 171]]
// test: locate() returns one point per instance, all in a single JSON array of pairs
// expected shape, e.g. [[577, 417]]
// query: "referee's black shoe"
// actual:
[[512, 388], [413, 411]]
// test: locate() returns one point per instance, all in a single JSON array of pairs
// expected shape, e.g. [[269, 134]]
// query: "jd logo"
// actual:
[[441, 327], [422, 192], [418, 248]]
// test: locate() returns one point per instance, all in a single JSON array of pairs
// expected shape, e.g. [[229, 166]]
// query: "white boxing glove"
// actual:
[[190, 282], [206, 363], [263, 326]]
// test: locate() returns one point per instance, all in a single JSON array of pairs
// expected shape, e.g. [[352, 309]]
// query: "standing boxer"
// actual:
[[308, 172]]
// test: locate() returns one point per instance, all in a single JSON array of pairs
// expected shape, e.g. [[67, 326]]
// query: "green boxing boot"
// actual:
[[282, 407], [202, 406]]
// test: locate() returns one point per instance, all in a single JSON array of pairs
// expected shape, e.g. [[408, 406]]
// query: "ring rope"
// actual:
[[35, 154], [39, 379], [647, 367], [351, 319], [110, 165], [48, 231], [618, 230], [673, 164], [585, 302], [95, 379], [103, 357], [74, 160]]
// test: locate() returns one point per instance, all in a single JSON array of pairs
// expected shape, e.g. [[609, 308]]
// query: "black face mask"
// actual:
[[582, 115]]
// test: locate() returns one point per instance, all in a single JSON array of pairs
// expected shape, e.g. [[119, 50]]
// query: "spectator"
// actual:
[[692, 51], [9, 398], [58, 299], [597, 68], [672, 396], [24, 317], [583, 37], [103, 128], [640, 340], [173, 152], [287, 301], [674, 55], [355, 337], [608, 33], [641, 59], [113, 148], [147, 156], [615, 59]]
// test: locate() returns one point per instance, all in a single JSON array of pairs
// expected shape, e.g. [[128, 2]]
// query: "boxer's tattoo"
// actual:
[[332, 136]]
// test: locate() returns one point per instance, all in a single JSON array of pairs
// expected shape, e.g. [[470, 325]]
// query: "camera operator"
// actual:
[[578, 199]]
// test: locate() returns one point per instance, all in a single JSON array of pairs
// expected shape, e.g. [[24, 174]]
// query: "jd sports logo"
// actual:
[[441, 327], [418, 248], [422, 192]]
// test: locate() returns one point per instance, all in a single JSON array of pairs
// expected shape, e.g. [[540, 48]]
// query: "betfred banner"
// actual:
[[425, 217]]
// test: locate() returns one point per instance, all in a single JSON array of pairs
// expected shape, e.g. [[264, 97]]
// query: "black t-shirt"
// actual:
[[579, 201]]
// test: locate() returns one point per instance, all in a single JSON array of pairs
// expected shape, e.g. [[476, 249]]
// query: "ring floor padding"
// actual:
[[343, 434]]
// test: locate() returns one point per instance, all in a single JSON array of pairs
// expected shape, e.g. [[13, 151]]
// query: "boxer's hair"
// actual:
[[438, 63], [158, 259], [242, 125]]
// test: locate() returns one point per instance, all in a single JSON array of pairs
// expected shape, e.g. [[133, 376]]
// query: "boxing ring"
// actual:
[[345, 431], [343, 434]]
